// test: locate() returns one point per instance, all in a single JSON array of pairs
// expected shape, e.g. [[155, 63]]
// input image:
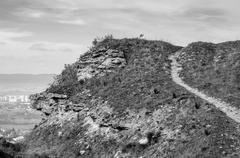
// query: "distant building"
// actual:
[[14, 99]]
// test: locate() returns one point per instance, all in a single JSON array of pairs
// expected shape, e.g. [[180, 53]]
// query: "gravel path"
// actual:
[[230, 111]]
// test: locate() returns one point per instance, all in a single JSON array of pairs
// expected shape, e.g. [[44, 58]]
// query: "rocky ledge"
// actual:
[[97, 62], [50, 103]]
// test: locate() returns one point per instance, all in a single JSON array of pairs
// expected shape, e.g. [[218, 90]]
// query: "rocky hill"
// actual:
[[118, 100], [213, 68]]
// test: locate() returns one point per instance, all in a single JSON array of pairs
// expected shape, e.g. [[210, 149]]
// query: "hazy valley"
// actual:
[[15, 109]]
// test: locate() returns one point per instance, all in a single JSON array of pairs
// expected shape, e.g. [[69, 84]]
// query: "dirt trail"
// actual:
[[230, 111]]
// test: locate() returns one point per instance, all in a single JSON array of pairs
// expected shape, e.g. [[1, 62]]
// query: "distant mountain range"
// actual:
[[24, 84]]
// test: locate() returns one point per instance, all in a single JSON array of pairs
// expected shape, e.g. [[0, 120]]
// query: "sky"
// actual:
[[40, 36]]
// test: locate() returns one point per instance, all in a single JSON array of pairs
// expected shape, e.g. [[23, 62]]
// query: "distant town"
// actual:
[[15, 99]]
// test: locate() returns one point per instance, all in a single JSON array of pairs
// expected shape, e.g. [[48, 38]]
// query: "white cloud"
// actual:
[[24, 56], [79, 22], [55, 47], [37, 57], [31, 13], [36, 14], [7, 35], [55, 24]]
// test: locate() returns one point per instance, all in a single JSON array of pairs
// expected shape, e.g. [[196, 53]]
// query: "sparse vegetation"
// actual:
[[133, 111], [213, 68], [66, 82]]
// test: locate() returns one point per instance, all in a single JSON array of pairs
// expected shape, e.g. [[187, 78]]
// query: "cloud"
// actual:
[[55, 47], [7, 34], [37, 57], [209, 15], [40, 47], [79, 22], [31, 13], [49, 30]]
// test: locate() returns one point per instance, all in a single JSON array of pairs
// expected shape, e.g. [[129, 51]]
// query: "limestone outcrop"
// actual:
[[98, 62], [50, 103]]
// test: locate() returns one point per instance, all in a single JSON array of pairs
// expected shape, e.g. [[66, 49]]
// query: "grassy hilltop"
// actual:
[[118, 100]]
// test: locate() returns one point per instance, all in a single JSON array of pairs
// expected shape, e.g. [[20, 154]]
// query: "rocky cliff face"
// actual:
[[99, 61], [124, 104]]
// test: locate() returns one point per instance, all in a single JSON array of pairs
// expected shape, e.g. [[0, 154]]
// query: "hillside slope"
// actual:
[[119, 100], [213, 68], [228, 109]]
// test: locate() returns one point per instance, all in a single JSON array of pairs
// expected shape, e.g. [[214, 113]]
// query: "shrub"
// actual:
[[98, 40], [66, 82]]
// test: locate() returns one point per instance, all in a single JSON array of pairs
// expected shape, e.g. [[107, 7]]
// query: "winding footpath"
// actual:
[[230, 111]]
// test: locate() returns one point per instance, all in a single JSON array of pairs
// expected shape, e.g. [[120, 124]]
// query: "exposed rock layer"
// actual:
[[97, 62], [50, 103]]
